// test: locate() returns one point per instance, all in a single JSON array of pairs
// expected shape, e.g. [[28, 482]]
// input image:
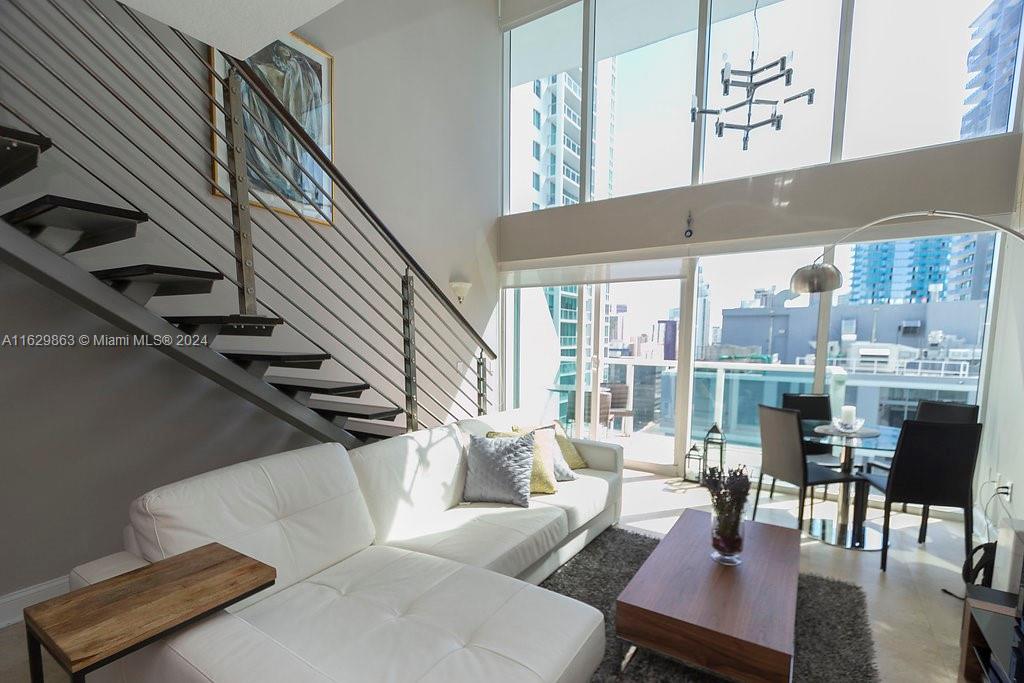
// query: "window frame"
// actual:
[[704, 27]]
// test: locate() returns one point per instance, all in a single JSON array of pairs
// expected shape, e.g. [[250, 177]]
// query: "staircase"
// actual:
[[367, 345]]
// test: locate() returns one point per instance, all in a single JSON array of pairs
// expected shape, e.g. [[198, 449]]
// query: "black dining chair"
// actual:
[[933, 465], [942, 411], [935, 411], [783, 457], [812, 407]]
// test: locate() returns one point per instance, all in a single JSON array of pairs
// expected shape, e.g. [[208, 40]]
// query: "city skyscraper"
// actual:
[[907, 271], [992, 61], [702, 315], [959, 267], [548, 111]]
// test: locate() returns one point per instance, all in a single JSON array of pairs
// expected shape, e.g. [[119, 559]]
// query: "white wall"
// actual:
[[417, 129], [1002, 448], [789, 208]]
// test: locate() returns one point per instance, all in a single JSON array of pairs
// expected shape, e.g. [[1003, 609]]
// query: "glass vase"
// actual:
[[727, 538]]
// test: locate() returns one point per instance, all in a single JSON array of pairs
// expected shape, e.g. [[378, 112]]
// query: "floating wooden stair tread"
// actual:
[[92, 224], [319, 386], [347, 409], [240, 325], [74, 214], [166, 280], [285, 359], [19, 152], [160, 274], [41, 142], [371, 431]]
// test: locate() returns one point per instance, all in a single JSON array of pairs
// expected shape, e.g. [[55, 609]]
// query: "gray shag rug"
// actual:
[[833, 636]]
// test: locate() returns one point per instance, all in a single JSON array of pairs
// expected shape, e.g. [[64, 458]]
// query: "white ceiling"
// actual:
[[238, 27]]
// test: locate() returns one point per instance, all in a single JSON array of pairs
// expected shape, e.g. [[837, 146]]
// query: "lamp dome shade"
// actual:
[[816, 278]]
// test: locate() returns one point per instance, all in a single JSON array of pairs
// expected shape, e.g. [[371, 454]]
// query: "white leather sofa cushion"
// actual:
[[387, 614], [503, 538], [104, 568], [299, 511], [409, 477], [584, 498]]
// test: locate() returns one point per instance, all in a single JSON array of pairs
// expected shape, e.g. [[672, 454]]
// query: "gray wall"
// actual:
[[86, 430], [417, 129]]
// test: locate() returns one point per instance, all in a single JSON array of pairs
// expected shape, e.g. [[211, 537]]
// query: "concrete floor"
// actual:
[[916, 626]]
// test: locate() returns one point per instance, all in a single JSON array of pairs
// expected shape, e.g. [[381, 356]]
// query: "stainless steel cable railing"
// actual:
[[350, 286]]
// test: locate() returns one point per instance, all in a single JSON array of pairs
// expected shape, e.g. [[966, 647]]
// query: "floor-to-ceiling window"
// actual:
[[753, 341], [638, 369], [925, 72], [540, 350], [917, 73], [646, 53], [545, 117], [909, 323], [750, 33]]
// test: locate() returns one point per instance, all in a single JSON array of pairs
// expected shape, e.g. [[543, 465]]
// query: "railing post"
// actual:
[[409, 349], [481, 384], [238, 181]]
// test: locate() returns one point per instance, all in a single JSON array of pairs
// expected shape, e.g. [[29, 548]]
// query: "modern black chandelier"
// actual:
[[750, 80]]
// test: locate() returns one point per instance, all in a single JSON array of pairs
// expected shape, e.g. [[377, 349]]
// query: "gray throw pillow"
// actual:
[[499, 470]]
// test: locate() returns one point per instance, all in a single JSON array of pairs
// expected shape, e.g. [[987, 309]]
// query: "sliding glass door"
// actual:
[[754, 340], [637, 368]]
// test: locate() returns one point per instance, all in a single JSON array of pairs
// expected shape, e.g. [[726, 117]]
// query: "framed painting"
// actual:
[[301, 76]]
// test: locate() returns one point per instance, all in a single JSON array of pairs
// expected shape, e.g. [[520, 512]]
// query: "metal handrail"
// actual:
[[311, 148], [451, 400], [272, 136]]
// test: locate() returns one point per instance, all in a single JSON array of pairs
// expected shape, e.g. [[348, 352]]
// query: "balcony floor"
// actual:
[[650, 448], [916, 626]]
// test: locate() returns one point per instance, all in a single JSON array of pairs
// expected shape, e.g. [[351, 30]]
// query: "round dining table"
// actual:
[[856, 450]]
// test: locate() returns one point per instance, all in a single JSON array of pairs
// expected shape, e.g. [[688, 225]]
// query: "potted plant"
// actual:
[[729, 492]]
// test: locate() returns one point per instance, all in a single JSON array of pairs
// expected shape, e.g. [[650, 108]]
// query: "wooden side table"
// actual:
[[93, 626]]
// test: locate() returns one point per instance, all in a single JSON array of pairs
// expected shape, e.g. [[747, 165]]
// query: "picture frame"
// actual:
[[302, 77]]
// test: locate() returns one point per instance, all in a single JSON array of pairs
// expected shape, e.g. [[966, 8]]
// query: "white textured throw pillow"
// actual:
[[499, 470]]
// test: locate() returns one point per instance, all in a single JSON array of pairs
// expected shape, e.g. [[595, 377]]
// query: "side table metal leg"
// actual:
[[35, 657]]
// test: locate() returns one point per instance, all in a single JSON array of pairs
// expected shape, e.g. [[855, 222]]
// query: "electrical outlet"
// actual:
[[1008, 485]]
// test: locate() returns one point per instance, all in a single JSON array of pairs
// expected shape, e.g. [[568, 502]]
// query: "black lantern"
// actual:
[[714, 443], [694, 455]]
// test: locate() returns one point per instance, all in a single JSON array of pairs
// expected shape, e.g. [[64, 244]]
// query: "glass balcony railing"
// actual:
[[639, 411]]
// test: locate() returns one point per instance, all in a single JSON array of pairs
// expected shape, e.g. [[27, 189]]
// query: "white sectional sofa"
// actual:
[[382, 573]]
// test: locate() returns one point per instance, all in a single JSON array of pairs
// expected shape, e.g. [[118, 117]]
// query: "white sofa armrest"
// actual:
[[600, 455], [104, 568]]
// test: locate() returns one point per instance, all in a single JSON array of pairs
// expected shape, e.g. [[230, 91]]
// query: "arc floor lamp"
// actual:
[[825, 277]]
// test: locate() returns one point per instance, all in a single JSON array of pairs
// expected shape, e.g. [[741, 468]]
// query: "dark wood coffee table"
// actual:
[[737, 622]]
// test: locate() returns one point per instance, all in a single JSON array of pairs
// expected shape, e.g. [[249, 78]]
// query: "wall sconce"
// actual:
[[460, 290]]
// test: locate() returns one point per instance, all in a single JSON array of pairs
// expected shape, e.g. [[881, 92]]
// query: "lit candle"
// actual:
[[849, 414]]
